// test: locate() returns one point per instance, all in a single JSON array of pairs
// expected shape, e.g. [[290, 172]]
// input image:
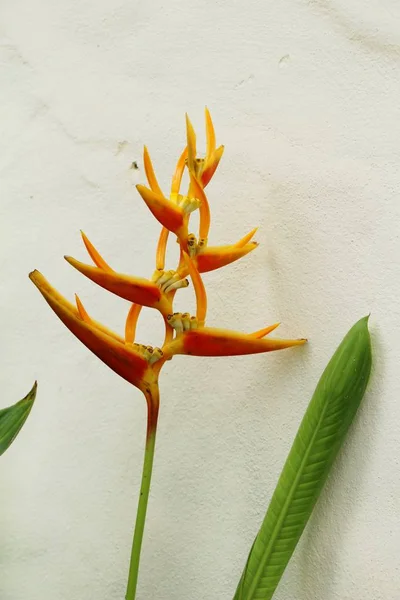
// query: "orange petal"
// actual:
[[211, 166], [191, 144], [115, 354], [161, 249], [177, 178], [206, 341], [166, 212], [263, 332], [149, 170], [94, 254], [199, 289], [246, 239], [135, 289], [131, 322], [81, 310], [210, 136], [204, 208], [85, 317], [212, 258]]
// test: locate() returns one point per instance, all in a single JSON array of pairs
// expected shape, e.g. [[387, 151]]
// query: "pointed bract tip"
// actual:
[[247, 238], [265, 331], [363, 321], [35, 276], [81, 310], [190, 130]]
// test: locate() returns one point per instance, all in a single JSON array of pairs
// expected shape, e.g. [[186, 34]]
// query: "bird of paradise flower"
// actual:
[[187, 334]]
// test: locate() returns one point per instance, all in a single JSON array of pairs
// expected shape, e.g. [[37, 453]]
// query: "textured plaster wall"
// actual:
[[305, 95]]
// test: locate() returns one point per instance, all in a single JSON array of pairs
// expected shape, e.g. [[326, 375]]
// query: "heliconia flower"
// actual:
[[188, 334], [183, 333], [135, 289], [134, 363]]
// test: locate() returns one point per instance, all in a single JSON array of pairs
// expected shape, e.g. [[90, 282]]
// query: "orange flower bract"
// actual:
[[184, 333]]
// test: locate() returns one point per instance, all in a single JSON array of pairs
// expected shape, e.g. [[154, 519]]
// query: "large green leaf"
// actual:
[[13, 418], [321, 433]]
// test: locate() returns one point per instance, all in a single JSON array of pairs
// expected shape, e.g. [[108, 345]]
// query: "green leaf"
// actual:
[[13, 418], [321, 433]]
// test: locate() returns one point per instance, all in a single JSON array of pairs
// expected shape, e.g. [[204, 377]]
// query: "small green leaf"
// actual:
[[321, 433], [13, 418]]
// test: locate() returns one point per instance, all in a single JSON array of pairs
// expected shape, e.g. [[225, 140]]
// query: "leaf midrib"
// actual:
[[285, 508]]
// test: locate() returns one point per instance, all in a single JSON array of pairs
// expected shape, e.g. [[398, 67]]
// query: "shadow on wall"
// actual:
[[374, 36]]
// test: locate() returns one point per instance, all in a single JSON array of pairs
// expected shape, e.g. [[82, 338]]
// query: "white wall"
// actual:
[[305, 95]]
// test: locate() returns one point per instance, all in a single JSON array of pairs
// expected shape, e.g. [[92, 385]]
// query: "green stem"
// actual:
[[152, 416]]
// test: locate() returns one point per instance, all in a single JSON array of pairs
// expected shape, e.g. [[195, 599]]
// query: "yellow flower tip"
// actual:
[[33, 274], [37, 279], [150, 174], [41, 282], [81, 310], [210, 135], [177, 178], [246, 239], [191, 144]]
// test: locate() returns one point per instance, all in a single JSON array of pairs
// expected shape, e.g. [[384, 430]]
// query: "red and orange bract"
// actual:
[[139, 364]]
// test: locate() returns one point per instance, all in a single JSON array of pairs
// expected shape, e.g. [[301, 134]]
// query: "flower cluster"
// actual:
[[184, 333]]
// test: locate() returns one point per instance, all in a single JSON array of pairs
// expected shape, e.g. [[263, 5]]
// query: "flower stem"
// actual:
[[152, 416]]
